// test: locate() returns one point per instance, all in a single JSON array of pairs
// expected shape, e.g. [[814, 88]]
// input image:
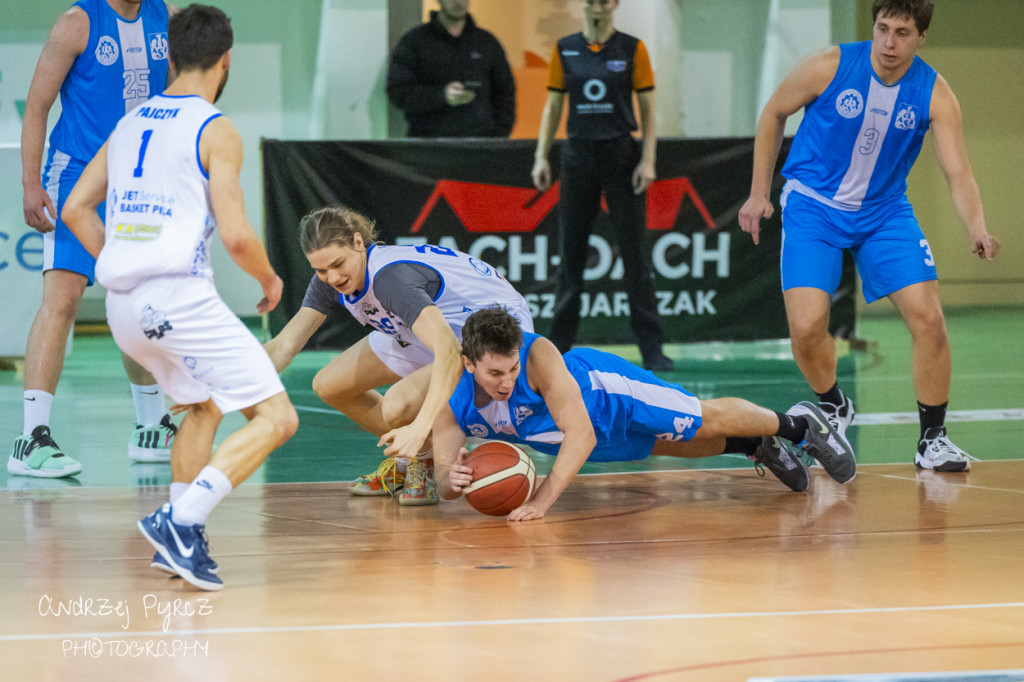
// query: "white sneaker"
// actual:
[[839, 416], [935, 451]]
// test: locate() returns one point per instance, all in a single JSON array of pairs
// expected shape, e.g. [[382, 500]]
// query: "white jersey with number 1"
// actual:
[[159, 220]]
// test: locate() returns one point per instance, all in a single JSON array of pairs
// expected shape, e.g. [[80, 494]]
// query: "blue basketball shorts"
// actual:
[[886, 241], [61, 249], [632, 408]]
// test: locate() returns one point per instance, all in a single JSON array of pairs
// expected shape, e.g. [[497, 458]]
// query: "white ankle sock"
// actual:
[[195, 504], [37, 410], [150, 405], [177, 490]]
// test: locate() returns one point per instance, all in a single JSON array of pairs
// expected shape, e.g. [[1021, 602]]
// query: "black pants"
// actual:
[[587, 168]]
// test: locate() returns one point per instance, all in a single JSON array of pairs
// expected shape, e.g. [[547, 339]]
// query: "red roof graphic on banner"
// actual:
[[483, 207]]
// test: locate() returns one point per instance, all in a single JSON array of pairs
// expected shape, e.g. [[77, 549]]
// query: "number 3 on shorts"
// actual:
[[929, 260]]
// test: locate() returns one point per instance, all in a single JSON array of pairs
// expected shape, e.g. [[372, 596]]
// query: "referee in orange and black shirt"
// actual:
[[600, 69]]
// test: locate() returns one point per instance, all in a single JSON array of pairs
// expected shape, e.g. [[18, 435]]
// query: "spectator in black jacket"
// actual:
[[451, 78]]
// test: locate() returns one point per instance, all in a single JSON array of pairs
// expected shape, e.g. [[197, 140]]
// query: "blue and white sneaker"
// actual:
[[184, 548], [824, 443], [160, 564]]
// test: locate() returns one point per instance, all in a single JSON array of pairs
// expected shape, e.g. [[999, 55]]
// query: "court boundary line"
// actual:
[[340, 627]]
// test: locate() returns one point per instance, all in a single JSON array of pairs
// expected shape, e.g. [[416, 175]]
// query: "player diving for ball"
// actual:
[[414, 299], [589, 405]]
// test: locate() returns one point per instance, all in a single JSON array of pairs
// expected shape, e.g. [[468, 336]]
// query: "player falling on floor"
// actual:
[[415, 300], [170, 175], [589, 405]]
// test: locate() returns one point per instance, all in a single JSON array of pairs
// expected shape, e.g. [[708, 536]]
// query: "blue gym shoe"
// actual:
[[184, 548], [825, 444], [160, 564]]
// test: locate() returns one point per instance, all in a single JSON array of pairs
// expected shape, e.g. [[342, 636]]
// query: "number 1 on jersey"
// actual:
[[146, 134]]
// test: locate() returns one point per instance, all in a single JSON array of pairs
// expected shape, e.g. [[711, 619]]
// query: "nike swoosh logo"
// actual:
[[142, 392], [182, 549], [30, 400], [824, 429]]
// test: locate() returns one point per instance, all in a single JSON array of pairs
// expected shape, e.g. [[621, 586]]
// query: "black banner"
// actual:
[[476, 196]]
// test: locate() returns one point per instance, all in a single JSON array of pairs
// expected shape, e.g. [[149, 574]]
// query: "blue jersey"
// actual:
[[859, 138], [124, 63], [629, 408]]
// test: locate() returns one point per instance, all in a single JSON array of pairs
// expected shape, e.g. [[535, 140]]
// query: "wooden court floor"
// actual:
[[663, 571]]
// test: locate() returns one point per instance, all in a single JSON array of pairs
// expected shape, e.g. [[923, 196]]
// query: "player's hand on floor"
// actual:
[[526, 512]]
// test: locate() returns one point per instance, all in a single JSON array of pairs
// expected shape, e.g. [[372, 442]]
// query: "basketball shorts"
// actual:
[[61, 249], [630, 407], [180, 330], [886, 241], [405, 359]]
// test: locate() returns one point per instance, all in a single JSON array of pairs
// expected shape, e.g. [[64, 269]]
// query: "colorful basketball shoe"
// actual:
[[386, 480], [152, 444], [420, 488], [38, 455]]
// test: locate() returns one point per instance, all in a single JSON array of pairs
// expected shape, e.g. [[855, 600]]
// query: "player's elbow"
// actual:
[[73, 214]]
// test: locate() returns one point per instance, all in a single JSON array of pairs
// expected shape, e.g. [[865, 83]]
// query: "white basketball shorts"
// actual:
[[180, 330]]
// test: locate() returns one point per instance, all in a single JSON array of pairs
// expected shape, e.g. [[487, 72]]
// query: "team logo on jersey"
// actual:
[[522, 412], [154, 323], [849, 103], [369, 309], [481, 267], [477, 430], [616, 65], [107, 51], [906, 117], [157, 46], [594, 89]]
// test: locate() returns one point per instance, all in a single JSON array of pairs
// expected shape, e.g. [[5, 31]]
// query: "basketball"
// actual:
[[503, 477]]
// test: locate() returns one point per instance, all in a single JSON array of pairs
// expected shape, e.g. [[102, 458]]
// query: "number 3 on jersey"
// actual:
[[146, 134]]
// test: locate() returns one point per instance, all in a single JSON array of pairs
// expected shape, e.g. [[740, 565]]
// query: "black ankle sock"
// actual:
[[931, 416], [833, 396], [740, 445], [791, 428]]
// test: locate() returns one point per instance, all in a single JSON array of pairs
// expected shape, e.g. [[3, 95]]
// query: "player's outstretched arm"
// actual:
[[449, 452], [808, 80], [220, 149], [433, 330], [79, 212], [548, 376], [283, 348], [948, 140]]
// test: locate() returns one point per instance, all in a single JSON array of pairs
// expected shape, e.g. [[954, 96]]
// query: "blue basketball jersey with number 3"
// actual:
[[859, 138]]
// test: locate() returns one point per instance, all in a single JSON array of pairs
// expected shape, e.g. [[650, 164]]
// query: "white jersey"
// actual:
[[159, 220], [467, 284]]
